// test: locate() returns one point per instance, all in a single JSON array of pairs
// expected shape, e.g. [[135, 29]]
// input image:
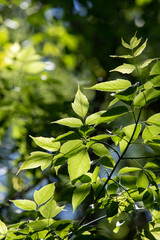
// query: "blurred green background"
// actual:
[[47, 49]]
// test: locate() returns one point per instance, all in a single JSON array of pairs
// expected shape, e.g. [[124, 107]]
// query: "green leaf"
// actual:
[[128, 181], [3, 228], [100, 137], [70, 122], [112, 86], [93, 118], [112, 208], [127, 95], [95, 174], [121, 56], [125, 68], [40, 224], [50, 209], [44, 194], [78, 164], [147, 62], [114, 101], [79, 194], [37, 159], [134, 42], [128, 130], [155, 69], [154, 120], [126, 45], [153, 165], [146, 97], [46, 143], [128, 169], [81, 104], [112, 186], [99, 149], [150, 132], [67, 136], [112, 114], [25, 204], [148, 199], [142, 180], [107, 161], [140, 49]]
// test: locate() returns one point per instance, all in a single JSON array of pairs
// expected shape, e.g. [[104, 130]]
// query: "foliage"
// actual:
[[94, 172]]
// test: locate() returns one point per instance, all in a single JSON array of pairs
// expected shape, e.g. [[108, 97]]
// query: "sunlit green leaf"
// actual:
[[154, 120], [95, 174], [155, 69], [121, 56], [37, 159], [99, 149], [70, 122], [112, 114], [46, 143], [146, 97], [129, 169], [128, 94], [50, 209], [81, 104], [126, 45], [128, 130], [40, 224], [142, 180], [78, 164], [153, 165], [125, 68], [148, 199], [25, 204], [140, 49], [149, 132], [100, 137], [112, 86], [147, 62], [93, 118], [128, 181], [79, 194], [3, 228], [134, 42], [45, 193]]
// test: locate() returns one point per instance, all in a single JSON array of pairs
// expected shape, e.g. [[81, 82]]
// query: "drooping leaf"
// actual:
[[112, 86], [81, 104], [128, 130], [99, 149], [46, 143], [128, 94], [154, 120], [93, 118], [25, 204], [37, 159], [44, 194], [79, 194], [142, 180], [70, 122], [125, 68], [50, 209], [146, 97], [147, 62], [112, 114], [78, 164], [129, 169], [3, 228], [149, 132], [140, 49]]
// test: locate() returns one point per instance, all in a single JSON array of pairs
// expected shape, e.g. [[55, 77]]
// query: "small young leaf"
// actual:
[[45, 193], [3, 228], [112, 114], [37, 159], [125, 68], [147, 62], [70, 122], [93, 118], [140, 49], [154, 120], [129, 169], [79, 194], [81, 104], [128, 130], [50, 209], [25, 204], [112, 86], [95, 174], [126, 45], [134, 42], [142, 180], [122, 56], [46, 143], [78, 164], [99, 149], [128, 94]]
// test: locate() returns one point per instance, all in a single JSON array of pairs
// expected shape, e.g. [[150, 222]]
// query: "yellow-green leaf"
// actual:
[[70, 122], [50, 209], [46, 143], [140, 49], [154, 120], [24, 204], [125, 68], [44, 194], [3, 228]]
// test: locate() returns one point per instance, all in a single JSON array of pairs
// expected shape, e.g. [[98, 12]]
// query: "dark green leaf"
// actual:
[[128, 94], [112, 208], [128, 181], [67, 136], [148, 199], [107, 161], [140, 49], [153, 165]]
